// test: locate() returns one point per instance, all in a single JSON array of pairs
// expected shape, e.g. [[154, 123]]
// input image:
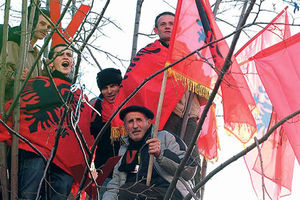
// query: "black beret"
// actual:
[[149, 114], [108, 76]]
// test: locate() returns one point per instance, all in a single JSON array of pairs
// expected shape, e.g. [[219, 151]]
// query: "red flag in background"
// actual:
[[195, 26], [238, 103], [188, 35], [277, 30], [278, 68], [274, 32], [208, 142], [278, 164]]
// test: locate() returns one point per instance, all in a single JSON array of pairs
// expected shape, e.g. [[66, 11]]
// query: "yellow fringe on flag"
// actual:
[[191, 85], [116, 133]]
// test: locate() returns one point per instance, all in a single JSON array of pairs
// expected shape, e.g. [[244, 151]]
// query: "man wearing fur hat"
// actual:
[[129, 176], [108, 81]]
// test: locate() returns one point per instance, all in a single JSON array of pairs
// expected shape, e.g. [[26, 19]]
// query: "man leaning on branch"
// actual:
[[41, 26], [129, 177]]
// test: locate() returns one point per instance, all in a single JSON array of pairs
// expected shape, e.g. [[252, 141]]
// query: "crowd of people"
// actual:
[[128, 178]]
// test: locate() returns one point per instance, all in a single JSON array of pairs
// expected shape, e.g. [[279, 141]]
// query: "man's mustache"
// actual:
[[136, 130]]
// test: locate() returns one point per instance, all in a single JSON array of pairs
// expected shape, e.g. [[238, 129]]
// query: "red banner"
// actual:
[[278, 66], [193, 28], [146, 62], [40, 114], [274, 163], [208, 142]]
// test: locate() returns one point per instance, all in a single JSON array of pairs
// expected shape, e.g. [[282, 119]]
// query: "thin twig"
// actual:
[[262, 167]]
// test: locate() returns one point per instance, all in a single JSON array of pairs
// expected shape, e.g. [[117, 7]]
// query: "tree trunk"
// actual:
[[3, 163], [23, 49], [136, 27]]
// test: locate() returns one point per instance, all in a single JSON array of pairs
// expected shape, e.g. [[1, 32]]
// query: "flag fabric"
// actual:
[[147, 61], [276, 31], [237, 100], [208, 142], [277, 162], [188, 35], [40, 113], [70, 31], [278, 66], [194, 26]]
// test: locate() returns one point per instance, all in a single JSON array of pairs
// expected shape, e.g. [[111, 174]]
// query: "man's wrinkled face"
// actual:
[[136, 125], [164, 27], [42, 28], [63, 61], [110, 92]]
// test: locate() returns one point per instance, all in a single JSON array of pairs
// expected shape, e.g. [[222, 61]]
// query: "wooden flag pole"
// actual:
[[157, 119]]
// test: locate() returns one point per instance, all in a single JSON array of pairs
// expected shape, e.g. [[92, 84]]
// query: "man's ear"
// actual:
[[50, 65], [155, 30], [149, 123]]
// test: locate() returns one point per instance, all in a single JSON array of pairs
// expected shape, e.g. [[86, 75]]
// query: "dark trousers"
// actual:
[[31, 169]]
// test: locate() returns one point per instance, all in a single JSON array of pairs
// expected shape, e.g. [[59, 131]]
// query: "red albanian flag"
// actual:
[[278, 66], [40, 114], [146, 62]]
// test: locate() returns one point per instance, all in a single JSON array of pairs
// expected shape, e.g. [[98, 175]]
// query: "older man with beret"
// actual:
[[129, 176]]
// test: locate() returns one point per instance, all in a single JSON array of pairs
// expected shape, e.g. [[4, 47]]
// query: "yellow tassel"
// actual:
[[191, 85], [116, 133]]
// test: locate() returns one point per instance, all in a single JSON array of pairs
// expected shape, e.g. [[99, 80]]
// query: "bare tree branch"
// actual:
[[136, 27], [3, 163], [261, 166], [225, 67], [242, 153]]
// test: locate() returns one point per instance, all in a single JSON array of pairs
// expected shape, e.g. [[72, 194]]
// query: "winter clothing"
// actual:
[[182, 105], [172, 151], [105, 148], [148, 113], [11, 65], [108, 76]]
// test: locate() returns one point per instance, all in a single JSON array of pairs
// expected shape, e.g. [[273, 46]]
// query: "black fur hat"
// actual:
[[108, 76]]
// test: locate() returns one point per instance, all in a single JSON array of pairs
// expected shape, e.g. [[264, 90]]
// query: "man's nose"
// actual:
[[135, 124], [169, 26]]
